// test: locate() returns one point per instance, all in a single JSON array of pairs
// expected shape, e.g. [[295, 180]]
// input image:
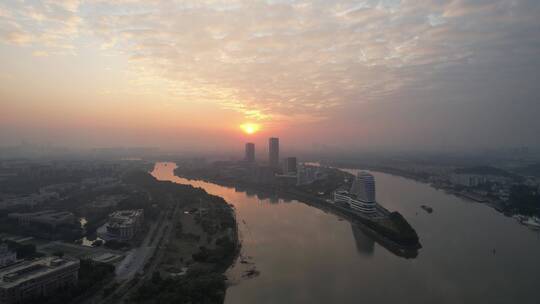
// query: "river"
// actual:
[[470, 254]]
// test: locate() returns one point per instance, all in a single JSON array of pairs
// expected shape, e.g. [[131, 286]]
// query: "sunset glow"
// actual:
[[250, 128], [346, 73]]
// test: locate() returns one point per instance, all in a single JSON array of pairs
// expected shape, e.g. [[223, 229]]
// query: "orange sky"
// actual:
[[355, 74]]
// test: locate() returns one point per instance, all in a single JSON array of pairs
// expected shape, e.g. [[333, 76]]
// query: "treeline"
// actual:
[[204, 282], [524, 200], [197, 286], [161, 192]]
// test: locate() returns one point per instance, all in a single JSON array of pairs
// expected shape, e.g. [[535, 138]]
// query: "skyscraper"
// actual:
[[273, 152], [250, 152], [290, 165]]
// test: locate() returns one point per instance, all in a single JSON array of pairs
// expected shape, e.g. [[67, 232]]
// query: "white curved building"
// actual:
[[361, 198], [364, 187]]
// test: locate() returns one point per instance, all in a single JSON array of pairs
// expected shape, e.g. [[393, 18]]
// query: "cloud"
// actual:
[[287, 57], [40, 54], [53, 24], [298, 60]]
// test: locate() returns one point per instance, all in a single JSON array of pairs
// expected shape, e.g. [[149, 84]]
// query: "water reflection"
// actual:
[[364, 237], [364, 244]]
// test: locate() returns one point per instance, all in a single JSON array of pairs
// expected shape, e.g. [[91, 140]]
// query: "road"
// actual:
[[136, 258], [158, 244], [130, 273]]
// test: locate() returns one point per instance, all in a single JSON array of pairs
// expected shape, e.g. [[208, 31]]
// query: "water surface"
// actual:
[[470, 254]]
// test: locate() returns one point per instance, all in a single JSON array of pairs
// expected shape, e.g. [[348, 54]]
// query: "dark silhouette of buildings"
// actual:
[[290, 165], [250, 152], [273, 152]]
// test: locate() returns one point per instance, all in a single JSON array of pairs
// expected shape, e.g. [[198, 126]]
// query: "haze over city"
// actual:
[[269, 151], [359, 75]]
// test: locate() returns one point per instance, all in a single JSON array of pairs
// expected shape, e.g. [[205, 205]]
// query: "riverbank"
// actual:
[[424, 178], [392, 232], [298, 248], [198, 243]]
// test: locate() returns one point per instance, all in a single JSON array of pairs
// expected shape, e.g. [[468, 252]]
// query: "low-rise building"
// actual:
[[59, 188], [474, 180], [7, 256], [29, 200], [107, 201], [100, 182], [37, 278], [309, 174], [48, 217], [122, 225]]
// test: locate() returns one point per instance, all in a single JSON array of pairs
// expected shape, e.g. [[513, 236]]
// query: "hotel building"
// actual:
[[361, 197]]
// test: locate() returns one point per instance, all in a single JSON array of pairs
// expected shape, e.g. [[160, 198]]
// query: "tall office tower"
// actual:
[[364, 187], [290, 165], [273, 152], [250, 152]]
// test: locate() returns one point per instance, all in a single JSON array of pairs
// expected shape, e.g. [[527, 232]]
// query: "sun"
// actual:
[[250, 128]]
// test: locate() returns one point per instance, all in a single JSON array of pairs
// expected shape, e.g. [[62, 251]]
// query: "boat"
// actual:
[[427, 208]]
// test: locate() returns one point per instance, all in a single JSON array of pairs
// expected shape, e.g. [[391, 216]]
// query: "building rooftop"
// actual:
[[124, 217], [17, 273], [47, 216]]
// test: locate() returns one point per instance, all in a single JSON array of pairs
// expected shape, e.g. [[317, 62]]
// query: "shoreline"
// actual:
[[200, 242], [402, 249], [471, 197]]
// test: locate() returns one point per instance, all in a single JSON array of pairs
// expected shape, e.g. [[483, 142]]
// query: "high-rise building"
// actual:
[[290, 165], [273, 151], [364, 187], [250, 152]]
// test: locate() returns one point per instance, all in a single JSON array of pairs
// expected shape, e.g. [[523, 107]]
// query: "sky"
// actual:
[[420, 75]]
